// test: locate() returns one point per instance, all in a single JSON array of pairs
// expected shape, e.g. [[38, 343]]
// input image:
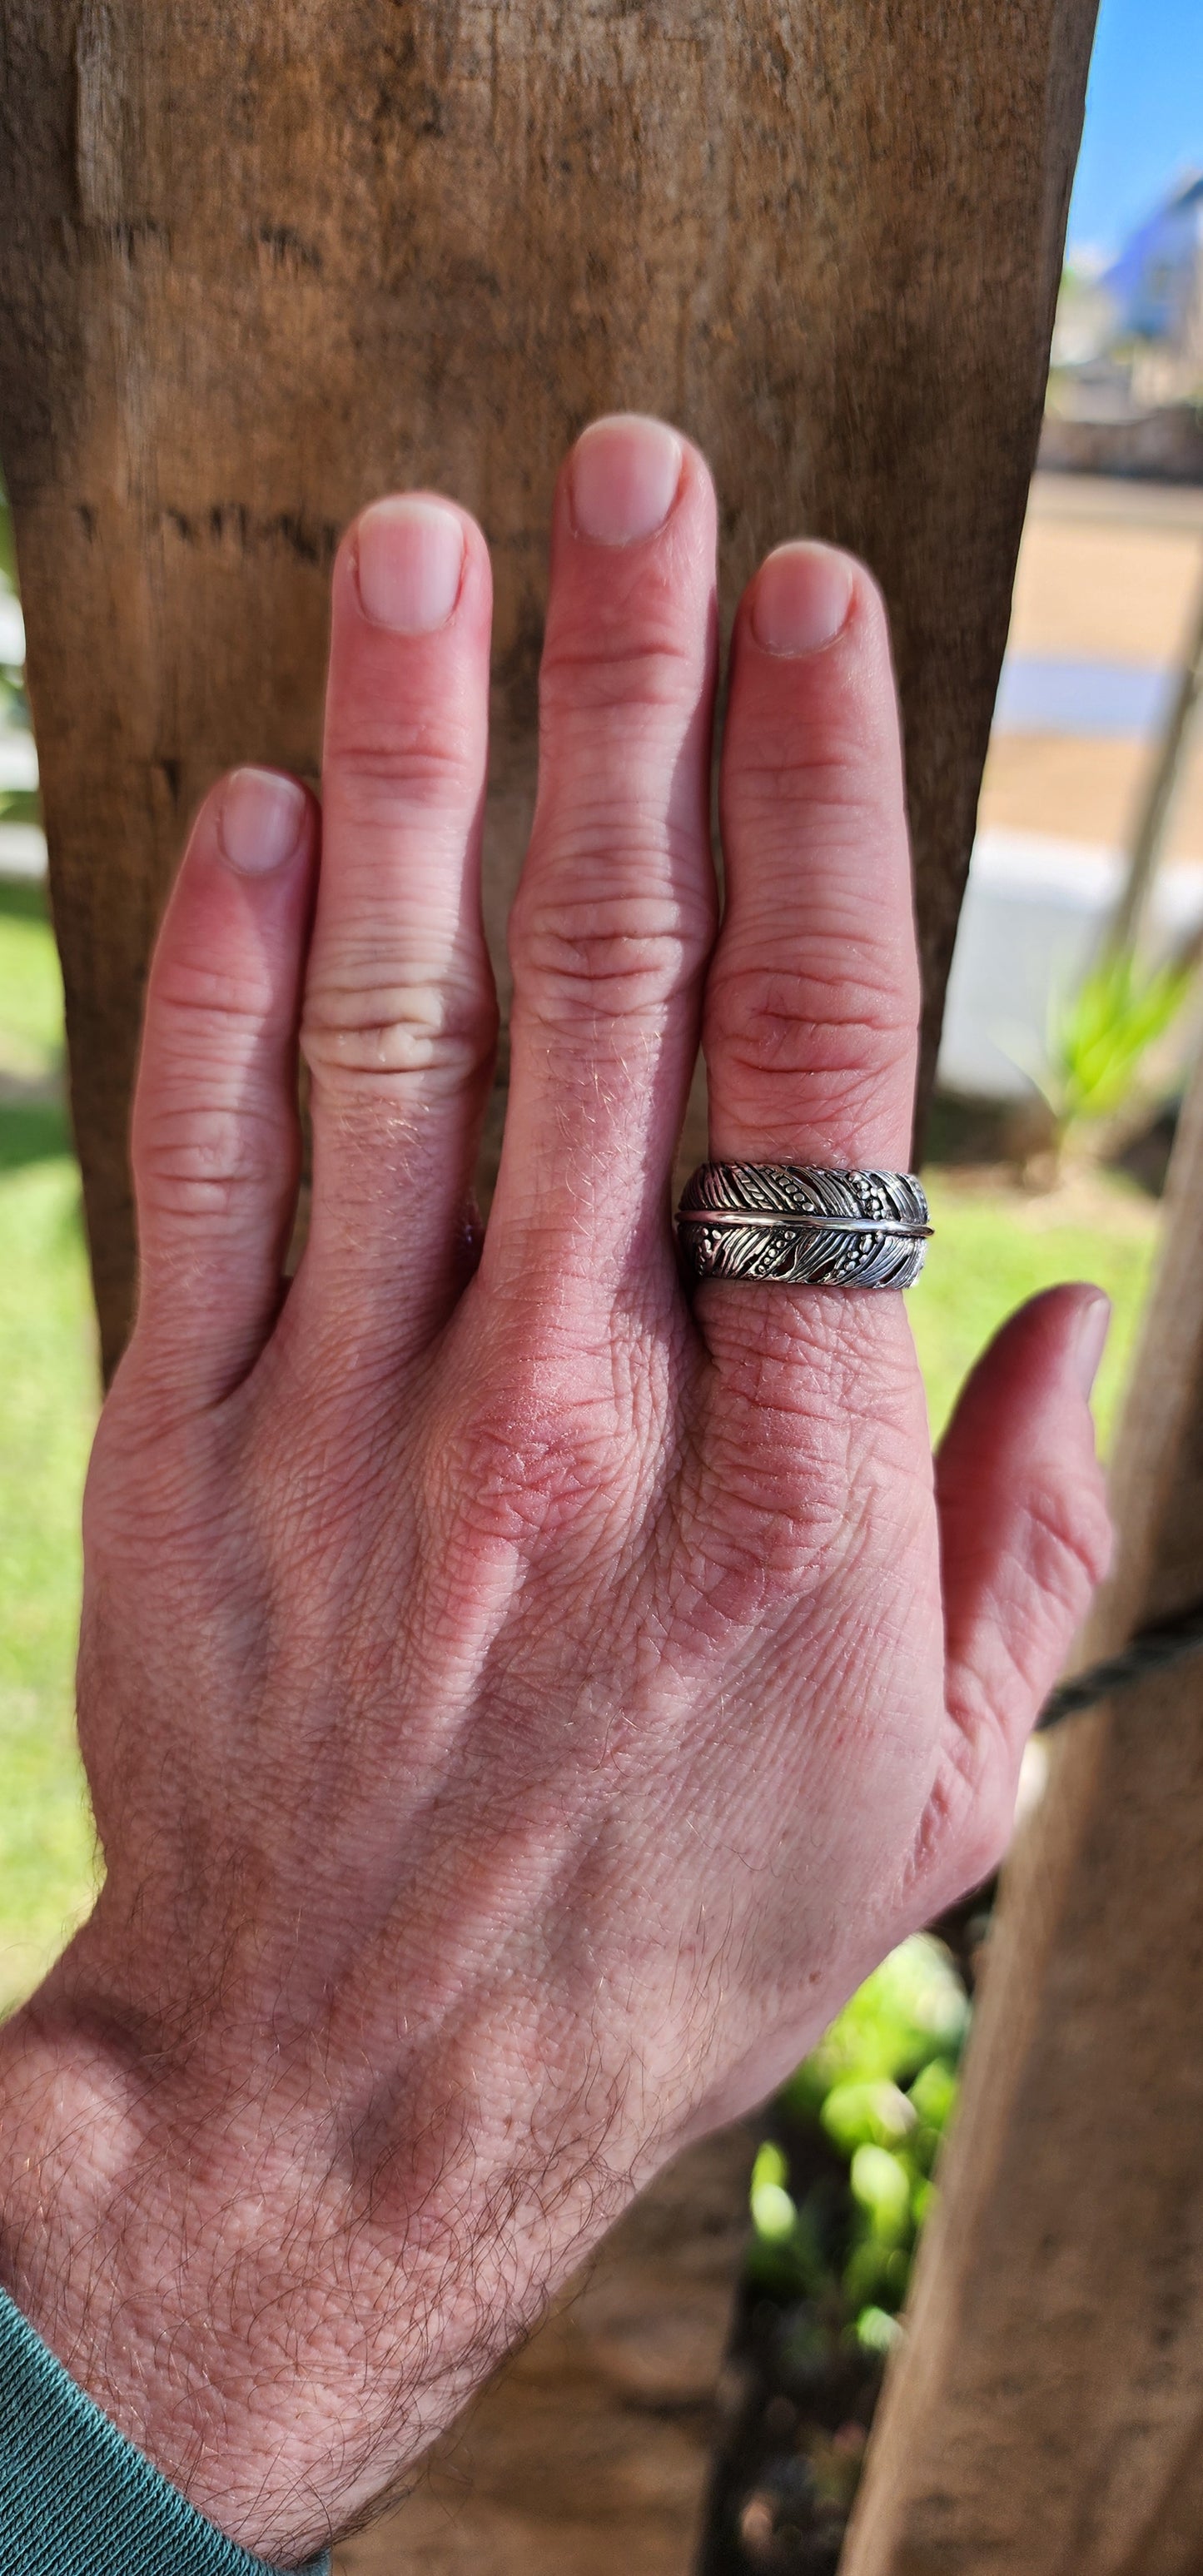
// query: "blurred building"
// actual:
[[1125, 390], [1156, 289]]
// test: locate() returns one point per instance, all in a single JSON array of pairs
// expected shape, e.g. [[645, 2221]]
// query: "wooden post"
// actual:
[[1046, 2410], [261, 262]]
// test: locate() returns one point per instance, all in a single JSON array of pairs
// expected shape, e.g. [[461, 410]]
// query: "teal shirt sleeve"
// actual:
[[76, 2499]]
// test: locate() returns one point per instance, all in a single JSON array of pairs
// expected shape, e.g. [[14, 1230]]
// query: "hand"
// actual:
[[519, 1707]]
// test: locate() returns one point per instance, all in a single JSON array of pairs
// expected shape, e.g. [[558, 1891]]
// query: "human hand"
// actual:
[[519, 1705]]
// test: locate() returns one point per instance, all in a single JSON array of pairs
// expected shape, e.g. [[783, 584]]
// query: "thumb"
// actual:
[[1025, 1537]]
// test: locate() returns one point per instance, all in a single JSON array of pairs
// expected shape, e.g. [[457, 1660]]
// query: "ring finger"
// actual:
[[812, 999]]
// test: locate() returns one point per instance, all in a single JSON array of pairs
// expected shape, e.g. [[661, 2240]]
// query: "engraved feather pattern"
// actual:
[[810, 1254]]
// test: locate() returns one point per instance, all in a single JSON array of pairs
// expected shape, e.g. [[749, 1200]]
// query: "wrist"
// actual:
[[75, 2489], [87, 2193], [277, 2316], [148, 2242]]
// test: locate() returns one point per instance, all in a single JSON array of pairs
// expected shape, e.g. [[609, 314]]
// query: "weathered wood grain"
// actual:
[[1045, 2417], [260, 259]]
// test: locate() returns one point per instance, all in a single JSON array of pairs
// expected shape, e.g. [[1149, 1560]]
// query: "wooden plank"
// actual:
[[260, 263], [1046, 2410]]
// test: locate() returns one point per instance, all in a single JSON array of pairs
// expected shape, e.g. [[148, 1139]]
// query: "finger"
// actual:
[[812, 999], [1025, 1537], [216, 1139], [400, 1013], [615, 912]]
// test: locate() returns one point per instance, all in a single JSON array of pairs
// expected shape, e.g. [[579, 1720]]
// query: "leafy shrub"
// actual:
[[882, 2088], [1100, 1038]]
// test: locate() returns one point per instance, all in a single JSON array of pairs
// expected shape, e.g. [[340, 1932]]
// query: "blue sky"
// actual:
[[1144, 116]]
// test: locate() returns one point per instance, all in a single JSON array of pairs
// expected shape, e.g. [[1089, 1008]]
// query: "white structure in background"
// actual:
[[12, 632], [22, 845], [1033, 915]]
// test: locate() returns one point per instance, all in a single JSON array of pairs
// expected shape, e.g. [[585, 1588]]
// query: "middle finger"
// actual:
[[614, 917]]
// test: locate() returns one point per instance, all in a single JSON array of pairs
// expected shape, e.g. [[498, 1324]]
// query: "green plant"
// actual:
[[20, 805], [1099, 1039], [881, 2087], [48, 1360]]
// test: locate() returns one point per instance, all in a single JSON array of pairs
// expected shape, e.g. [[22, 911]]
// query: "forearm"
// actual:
[[75, 2495], [102, 2236], [182, 2237], [173, 2255]]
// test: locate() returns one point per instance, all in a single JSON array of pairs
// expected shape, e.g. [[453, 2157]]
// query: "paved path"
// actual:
[[1107, 581]]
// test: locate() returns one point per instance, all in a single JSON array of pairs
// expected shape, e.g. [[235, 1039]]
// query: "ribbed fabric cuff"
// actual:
[[76, 2498]]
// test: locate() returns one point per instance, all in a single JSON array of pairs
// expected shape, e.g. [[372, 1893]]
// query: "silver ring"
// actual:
[[802, 1227]]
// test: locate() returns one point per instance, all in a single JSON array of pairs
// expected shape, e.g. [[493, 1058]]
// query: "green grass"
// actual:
[[48, 1373], [993, 1248]]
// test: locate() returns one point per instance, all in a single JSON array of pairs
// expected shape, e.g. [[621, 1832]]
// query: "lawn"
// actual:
[[48, 1371], [994, 1247]]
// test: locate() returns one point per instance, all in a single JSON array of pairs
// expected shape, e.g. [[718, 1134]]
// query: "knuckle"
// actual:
[[1067, 1543], [521, 1467], [192, 1166], [625, 952], [642, 664], [422, 1022], [779, 1503], [403, 763], [820, 772], [188, 994], [840, 1015]]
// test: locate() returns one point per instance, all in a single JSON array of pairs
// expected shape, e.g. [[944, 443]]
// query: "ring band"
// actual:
[[803, 1228]]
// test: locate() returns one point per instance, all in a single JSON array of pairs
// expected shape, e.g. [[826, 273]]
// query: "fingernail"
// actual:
[[1094, 1324], [802, 597], [625, 473], [410, 561], [262, 820]]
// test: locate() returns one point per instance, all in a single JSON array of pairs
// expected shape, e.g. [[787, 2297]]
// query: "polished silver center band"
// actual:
[[801, 1227]]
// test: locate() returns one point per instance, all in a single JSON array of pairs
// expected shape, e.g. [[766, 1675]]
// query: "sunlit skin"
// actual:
[[520, 1704]]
